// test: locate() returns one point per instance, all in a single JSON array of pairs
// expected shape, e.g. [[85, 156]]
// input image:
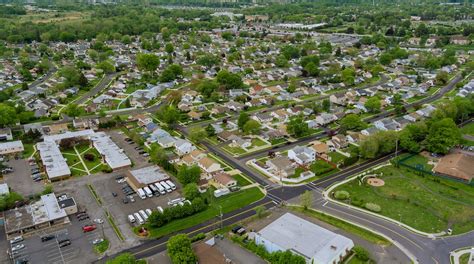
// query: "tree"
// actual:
[[189, 174], [281, 61], [197, 133], [297, 127], [309, 59], [207, 88], [361, 253], [311, 69], [352, 122], [290, 52], [208, 60], [441, 78], [252, 127], [243, 119], [180, 250], [106, 66], [306, 199], [348, 76], [369, 148], [47, 189], [229, 80], [326, 105], [373, 104], [260, 211], [412, 137], [73, 110], [191, 191], [210, 130], [442, 136], [71, 74], [83, 82], [148, 62], [169, 48], [7, 115], [169, 114]]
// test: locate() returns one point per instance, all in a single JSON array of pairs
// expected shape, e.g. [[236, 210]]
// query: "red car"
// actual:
[[88, 228]]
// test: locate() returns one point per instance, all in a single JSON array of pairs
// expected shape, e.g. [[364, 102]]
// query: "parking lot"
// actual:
[[20, 179], [129, 147], [55, 250], [121, 210]]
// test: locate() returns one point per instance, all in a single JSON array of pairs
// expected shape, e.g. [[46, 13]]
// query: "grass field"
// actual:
[[427, 203], [468, 129], [234, 150], [241, 181], [343, 225], [336, 156], [101, 247], [228, 203]]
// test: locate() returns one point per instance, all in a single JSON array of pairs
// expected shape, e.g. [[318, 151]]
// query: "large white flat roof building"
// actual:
[[142, 177], [113, 155], [11, 147], [53, 160], [314, 243]]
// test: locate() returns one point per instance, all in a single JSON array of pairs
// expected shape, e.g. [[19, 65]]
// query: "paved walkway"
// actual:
[[456, 255]]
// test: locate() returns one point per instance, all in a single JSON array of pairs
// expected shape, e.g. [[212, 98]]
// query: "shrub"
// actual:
[[373, 207], [341, 195], [361, 253], [106, 169], [89, 157], [357, 201]]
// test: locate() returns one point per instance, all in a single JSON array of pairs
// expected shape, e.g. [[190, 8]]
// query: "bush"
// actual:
[[106, 169], [89, 157], [361, 253], [341, 195], [357, 202], [198, 237], [169, 214], [373, 207]]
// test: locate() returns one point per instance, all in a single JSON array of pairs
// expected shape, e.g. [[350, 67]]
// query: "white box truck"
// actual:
[[160, 188], [139, 218], [171, 184], [131, 219], [160, 209], [143, 214], [141, 193], [154, 189], [148, 192], [148, 212], [167, 187]]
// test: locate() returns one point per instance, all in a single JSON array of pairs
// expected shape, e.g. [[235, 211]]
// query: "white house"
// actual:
[[325, 118], [302, 155], [183, 147]]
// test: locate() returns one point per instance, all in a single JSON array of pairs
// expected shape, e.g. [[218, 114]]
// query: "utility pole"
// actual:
[[221, 215]]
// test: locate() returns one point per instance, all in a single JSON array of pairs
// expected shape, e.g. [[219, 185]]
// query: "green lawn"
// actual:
[[278, 141], [234, 150], [426, 203], [241, 181], [418, 160], [229, 203], [102, 246], [336, 157], [28, 150], [256, 142], [468, 129], [464, 258], [97, 160], [343, 225]]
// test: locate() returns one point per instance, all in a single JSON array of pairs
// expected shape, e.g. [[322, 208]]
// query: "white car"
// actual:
[[98, 221], [122, 180], [18, 247], [97, 241], [16, 240]]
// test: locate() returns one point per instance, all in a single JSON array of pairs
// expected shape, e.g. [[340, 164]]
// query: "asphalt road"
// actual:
[[96, 89]]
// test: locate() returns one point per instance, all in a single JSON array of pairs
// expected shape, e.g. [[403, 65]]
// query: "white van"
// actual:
[[148, 212], [167, 187], [139, 218], [141, 193], [160, 209], [131, 219], [148, 192], [171, 184], [154, 189], [176, 201], [160, 188], [143, 214]]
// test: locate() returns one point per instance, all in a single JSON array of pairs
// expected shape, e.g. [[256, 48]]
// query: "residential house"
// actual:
[[387, 124], [338, 98], [325, 118], [239, 142], [459, 40], [5, 134], [302, 155], [224, 179], [183, 146], [369, 131], [263, 117], [320, 148], [281, 166], [353, 137], [209, 165], [339, 141]]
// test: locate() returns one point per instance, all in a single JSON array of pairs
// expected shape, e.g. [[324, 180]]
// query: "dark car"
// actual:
[[47, 238], [65, 243], [125, 200], [236, 228], [114, 194]]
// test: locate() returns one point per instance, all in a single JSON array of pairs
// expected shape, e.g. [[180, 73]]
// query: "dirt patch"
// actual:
[[376, 182]]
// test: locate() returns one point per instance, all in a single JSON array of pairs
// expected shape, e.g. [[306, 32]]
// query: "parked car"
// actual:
[[98, 221], [65, 243], [125, 201], [88, 228], [47, 238], [18, 247], [97, 241], [16, 240]]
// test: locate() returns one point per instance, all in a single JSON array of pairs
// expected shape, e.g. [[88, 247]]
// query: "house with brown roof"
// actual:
[[458, 166], [194, 115], [224, 179], [209, 165], [281, 166]]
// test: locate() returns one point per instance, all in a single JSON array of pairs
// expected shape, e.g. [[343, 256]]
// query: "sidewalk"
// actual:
[[457, 254]]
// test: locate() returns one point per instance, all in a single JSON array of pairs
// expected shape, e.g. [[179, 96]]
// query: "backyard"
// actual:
[[424, 202], [228, 203]]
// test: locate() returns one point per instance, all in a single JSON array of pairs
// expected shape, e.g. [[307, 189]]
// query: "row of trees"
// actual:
[[158, 219]]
